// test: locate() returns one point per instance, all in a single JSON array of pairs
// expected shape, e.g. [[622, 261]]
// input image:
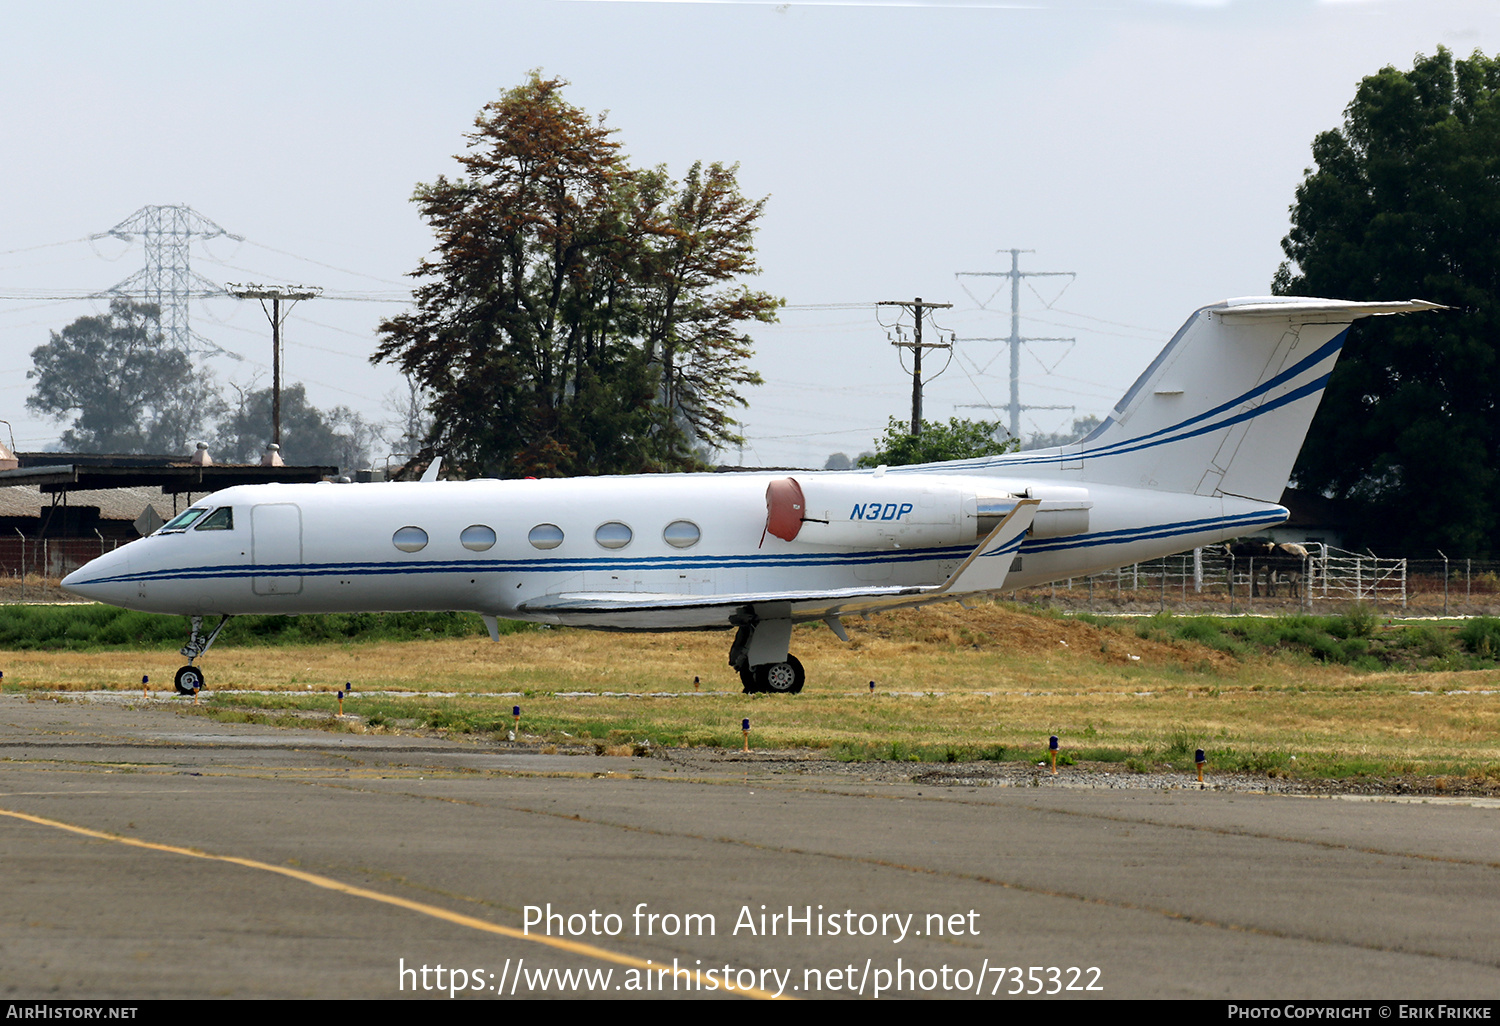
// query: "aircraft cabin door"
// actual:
[[276, 544]]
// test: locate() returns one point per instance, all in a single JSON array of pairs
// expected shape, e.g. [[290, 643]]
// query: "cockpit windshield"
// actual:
[[183, 521], [221, 519]]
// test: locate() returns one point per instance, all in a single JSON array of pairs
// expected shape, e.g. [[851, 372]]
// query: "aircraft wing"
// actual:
[[983, 570]]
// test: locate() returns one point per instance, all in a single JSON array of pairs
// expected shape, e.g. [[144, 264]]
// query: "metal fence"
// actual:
[[31, 567], [1208, 581]]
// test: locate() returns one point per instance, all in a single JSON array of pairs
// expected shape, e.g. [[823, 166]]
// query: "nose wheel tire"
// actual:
[[189, 680], [781, 678]]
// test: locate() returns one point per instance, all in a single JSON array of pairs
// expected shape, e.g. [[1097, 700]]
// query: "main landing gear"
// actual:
[[189, 679], [760, 655]]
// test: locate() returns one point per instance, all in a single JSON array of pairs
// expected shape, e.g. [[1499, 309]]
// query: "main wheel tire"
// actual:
[[781, 678], [189, 680], [748, 682]]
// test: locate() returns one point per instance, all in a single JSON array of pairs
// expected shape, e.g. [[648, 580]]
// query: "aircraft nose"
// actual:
[[98, 579]]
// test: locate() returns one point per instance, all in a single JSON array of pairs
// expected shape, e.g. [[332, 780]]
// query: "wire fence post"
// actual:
[[1445, 580]]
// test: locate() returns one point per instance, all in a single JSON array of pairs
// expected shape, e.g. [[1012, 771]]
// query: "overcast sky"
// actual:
[[1151, 147]]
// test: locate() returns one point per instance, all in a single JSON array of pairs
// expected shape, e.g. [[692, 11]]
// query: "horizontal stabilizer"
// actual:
[[1315, 311]]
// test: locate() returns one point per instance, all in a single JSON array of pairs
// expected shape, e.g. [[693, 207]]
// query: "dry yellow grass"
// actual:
[[946, 678]]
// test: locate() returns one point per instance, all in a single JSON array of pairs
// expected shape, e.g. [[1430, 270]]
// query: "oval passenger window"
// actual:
[[545, 536], [681, 534], [613, 535], [477, 538], [410, 539]]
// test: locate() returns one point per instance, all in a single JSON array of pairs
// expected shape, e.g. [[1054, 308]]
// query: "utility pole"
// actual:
[[917, 307], [275, 293], [1015, 274]]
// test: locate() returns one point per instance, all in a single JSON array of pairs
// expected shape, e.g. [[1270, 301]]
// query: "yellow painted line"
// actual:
[[328, 883]]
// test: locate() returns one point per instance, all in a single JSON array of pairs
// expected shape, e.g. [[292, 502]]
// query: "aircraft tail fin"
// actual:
[[1224, 408]]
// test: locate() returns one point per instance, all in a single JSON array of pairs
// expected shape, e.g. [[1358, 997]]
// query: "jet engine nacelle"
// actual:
[[908, 511], [1064, 509], [874, 511]]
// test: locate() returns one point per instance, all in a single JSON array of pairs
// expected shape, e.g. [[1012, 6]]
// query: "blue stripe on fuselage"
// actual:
[[1254, 520]]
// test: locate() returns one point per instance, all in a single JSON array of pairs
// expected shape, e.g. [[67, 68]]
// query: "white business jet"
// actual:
[[1197, 451]]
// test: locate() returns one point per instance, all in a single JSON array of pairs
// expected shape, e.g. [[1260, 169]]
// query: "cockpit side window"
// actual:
[[182, 521], [221, 519]]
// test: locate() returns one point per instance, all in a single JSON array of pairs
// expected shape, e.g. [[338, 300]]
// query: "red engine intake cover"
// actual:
[[785, 508]]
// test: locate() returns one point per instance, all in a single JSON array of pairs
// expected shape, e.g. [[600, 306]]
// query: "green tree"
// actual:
[[694, 309], [128, 391], [938, 443], [1405, 203], [578, 316], [309, 436]]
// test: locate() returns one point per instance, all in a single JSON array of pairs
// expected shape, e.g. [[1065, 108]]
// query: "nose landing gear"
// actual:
[[190, 679]]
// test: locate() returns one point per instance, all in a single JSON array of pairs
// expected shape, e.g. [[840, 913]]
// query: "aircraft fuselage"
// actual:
[[334, 548]]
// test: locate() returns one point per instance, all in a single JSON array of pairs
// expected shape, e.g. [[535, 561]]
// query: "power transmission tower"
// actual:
[[1015, 274], [917, 307], [168, 280]]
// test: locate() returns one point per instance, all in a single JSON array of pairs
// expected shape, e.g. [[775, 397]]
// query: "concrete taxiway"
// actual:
[[150, 853]]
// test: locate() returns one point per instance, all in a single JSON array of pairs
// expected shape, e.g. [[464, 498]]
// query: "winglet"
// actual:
[[989, 563], [431, 473]]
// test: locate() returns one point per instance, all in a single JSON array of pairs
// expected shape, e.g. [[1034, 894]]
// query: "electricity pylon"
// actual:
[[168, 280], [1015, 274]]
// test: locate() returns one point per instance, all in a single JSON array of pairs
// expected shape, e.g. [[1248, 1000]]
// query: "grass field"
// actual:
[[1332, 696]]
